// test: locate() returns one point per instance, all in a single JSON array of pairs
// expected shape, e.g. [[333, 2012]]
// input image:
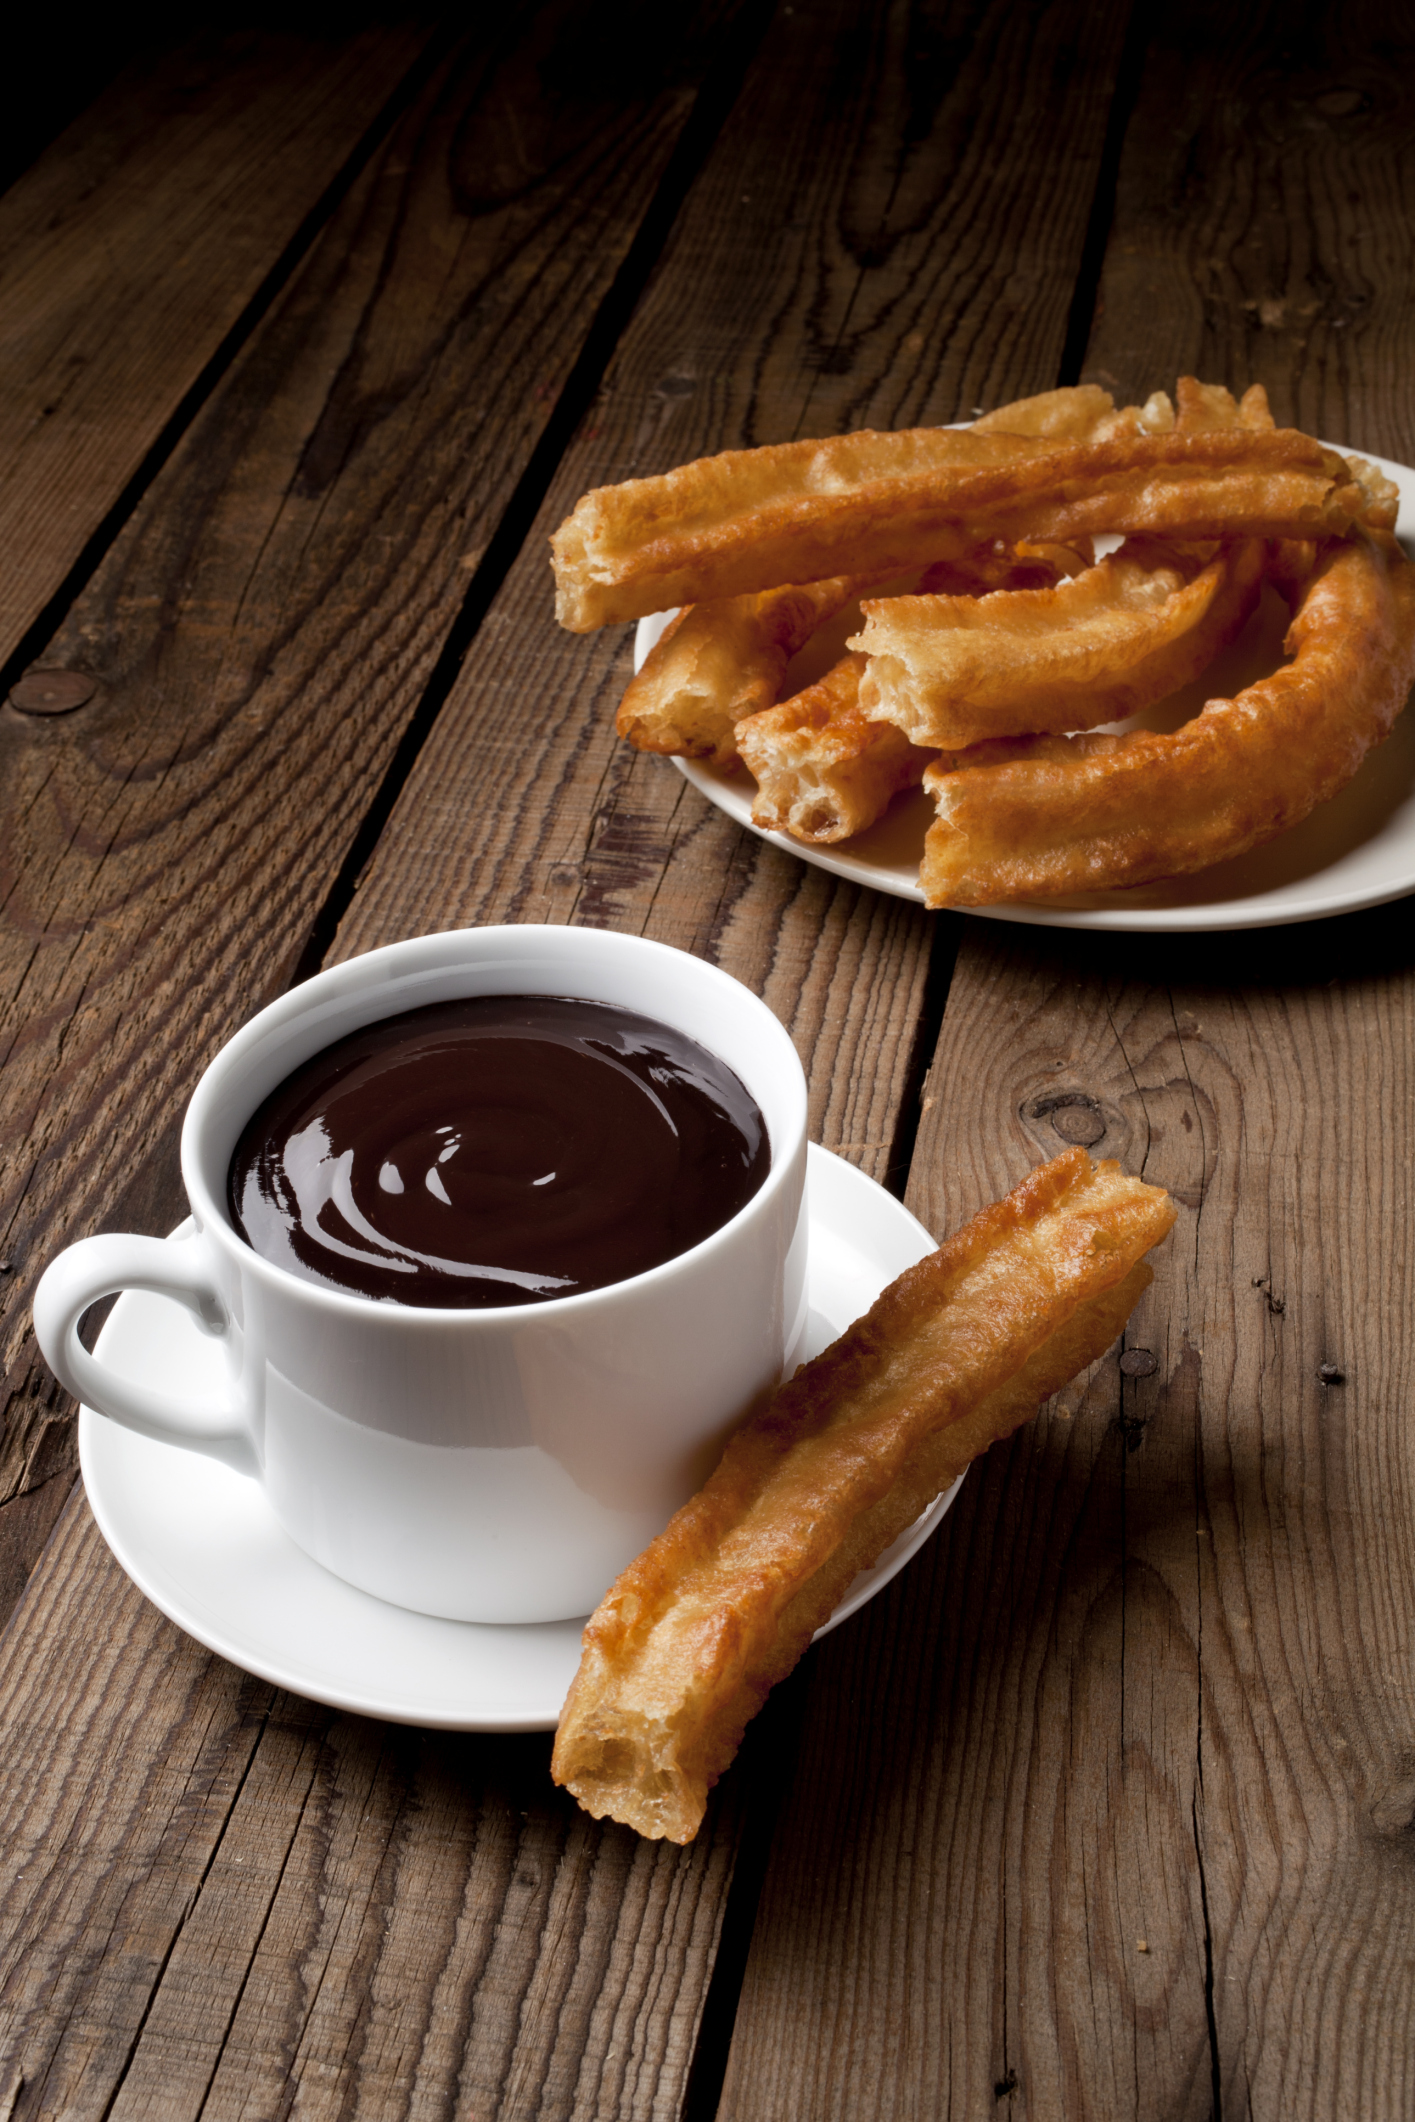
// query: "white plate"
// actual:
[[1358, 850], [202, 1543]]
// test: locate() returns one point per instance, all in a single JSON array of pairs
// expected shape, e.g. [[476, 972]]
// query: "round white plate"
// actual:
[[201, 1542], [1358, 850]]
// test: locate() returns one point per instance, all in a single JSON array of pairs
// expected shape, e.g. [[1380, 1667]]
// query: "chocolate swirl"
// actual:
[[500, 1150]]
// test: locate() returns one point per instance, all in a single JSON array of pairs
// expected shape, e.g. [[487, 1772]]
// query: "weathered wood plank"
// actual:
[[1153, 1680], [263, 631], [26, 1522], [855, 254], [1265, 218], [589, 2003], [130, 250], [521, 806], [258, 1894]]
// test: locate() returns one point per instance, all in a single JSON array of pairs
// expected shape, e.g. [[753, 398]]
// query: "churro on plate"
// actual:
[[992, 639]]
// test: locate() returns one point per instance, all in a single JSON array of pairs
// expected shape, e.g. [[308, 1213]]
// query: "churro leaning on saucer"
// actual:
[[955, 1354]]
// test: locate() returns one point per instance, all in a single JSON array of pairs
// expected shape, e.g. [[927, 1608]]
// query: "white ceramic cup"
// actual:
[[499, 1465]]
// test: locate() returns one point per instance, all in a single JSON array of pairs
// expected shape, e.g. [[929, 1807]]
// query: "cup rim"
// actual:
[[213, 1218]]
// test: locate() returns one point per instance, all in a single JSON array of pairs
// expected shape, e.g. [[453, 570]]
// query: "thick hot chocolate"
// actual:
[[504, 1149]]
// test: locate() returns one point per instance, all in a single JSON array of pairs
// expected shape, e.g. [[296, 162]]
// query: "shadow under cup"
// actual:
[[503, 1465]]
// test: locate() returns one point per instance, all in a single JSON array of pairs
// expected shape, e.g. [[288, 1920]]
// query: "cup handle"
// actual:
[[102, 1267]]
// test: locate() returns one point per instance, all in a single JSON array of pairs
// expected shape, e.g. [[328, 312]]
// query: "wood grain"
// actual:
[[577, 1990], [1153, 1680], [855, 252], [131, 248], [262, 1900], [265, 627], [1106, 1811], [1265, 218]]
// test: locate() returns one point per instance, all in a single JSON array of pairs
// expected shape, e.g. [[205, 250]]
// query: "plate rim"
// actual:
[[1219, 917]]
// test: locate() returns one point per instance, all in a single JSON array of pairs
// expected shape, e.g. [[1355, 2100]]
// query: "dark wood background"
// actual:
[[310, 330]]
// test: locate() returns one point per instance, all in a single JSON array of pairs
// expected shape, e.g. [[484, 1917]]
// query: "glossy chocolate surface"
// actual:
[[505, 1149]]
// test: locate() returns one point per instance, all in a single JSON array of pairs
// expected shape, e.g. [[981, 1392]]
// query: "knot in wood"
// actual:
[[52, 692], [1074, 1114], [1393, 1812], [1342, 103]]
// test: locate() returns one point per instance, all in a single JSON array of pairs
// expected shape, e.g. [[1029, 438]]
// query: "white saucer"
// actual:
[[201, 1542]]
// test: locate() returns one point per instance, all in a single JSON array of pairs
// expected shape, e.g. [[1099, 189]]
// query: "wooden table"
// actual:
[[307, 343]]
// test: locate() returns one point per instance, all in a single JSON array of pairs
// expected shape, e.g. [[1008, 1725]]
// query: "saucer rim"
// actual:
[[126, 1543]]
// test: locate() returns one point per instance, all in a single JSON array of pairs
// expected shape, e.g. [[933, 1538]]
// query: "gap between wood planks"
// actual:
[[710, 110], [713, 104], [1128, 79], [49, 618], [714, 100], [780, 1722]]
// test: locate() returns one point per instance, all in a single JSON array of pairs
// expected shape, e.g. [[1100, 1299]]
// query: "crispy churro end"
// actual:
[[955, 1354]]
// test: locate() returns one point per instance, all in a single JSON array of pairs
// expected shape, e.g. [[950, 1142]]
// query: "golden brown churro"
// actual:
[[823, 769], [1096, 648], [716, 663], [1038, 816], [881, 504], [1013, 641], [956, 1353]]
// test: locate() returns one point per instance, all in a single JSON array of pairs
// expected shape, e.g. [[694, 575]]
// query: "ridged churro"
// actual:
[[717, 663], [1037, 816], [950, 671], [881, 503], [954, 1355]]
